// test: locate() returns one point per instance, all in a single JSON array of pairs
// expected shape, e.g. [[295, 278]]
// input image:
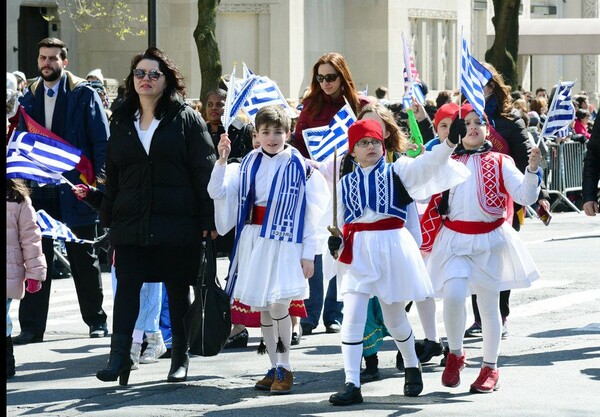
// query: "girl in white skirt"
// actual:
[[476, 250], [379, 257]]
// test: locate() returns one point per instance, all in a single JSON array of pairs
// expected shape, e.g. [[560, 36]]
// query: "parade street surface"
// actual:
[[549, 362]]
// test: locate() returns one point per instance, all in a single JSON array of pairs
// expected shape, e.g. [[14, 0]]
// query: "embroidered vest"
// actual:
[[381, 196]]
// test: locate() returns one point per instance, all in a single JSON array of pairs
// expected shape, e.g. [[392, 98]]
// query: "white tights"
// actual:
[[455, 293], [353, 327], [276, 323]]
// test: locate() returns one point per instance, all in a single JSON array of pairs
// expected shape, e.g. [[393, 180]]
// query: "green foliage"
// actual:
[[112, 16]]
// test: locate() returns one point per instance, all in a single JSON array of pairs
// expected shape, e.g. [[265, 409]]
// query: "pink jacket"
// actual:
[[581, 129], [24, 256]]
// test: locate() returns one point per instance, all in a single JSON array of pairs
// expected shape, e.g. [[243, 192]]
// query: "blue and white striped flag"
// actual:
[[56, 230], [39, 158], [473, 77], [561, 112], [322, 141], [235, 100], [265, 92]]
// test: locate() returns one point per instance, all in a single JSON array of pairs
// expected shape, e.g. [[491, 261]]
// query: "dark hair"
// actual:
[[273, 115], [315, 94], [581, 114], [54, 43], [173, 81], [442, 98], [580, 100], [16, 190], [500, 90], [540, 89], [381, 92]]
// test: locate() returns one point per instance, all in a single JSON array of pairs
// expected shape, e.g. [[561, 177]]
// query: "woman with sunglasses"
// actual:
[[331, 86], [156, 204]]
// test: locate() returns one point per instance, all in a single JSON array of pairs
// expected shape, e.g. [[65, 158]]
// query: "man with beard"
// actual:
[[69, 107]]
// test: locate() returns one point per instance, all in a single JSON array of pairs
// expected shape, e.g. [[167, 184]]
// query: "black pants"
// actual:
[[87, 277], [127, 304]]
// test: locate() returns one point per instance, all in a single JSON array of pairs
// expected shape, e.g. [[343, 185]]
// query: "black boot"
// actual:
[[10, 358], [179, 359], [413, 381], [119, 363]]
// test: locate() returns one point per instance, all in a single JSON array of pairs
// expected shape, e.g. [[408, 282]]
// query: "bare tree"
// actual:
[[505, 50], [207, 46]]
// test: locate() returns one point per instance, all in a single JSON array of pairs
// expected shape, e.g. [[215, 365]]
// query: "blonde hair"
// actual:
[[397, 141]]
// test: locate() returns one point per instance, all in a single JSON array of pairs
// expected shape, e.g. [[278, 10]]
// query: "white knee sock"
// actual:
[[491, 325], [268, 334], [282, 325], [455, 293], [426, 309]]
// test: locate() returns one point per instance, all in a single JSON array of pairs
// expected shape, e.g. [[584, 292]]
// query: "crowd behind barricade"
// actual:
[[189, 177]]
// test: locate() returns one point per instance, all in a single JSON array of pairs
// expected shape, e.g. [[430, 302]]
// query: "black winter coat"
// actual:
[[160, 198]]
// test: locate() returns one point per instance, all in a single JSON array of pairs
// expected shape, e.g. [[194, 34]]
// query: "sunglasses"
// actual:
[[140, 74], [329, 77]]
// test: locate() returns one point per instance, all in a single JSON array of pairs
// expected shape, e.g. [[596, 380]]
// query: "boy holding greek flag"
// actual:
[[275, 201]]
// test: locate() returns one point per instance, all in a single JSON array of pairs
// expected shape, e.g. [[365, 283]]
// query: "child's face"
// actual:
[[272, 138], [443, 129], [477, 131], [367, 151]]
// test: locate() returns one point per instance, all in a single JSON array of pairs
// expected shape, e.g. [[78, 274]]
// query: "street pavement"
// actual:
[[549, 363]]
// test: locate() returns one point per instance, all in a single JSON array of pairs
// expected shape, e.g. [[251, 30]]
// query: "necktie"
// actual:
[[50, 92]]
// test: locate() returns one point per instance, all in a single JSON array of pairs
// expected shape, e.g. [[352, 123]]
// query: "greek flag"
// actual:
[[322, 141], [265, 92], [412, 81], [39, 158], [56, 230], [473, 77], [235, 101], [561, 112]]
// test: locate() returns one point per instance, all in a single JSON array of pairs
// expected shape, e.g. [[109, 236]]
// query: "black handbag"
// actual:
[[207, 323]]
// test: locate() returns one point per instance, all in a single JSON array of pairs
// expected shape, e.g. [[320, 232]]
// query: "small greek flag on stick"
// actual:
[[561, 112], [321, 142], [265, 92], [473, 77], [56, 230]]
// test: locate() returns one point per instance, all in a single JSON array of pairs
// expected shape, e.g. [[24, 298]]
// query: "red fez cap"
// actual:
[[364, 128], [466, 108], [447, 110]]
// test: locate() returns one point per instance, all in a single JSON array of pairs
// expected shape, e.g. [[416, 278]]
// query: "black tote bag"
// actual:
[[207, 323]]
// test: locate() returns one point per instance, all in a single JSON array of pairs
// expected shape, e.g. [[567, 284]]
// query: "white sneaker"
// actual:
[[155, 349], [134, 353]]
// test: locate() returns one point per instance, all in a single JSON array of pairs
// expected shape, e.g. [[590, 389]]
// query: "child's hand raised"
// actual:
[[224, 148], [535, 158]]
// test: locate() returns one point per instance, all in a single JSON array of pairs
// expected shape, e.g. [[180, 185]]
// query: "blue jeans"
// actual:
[[165, 319], [9, 324], [331, 308]]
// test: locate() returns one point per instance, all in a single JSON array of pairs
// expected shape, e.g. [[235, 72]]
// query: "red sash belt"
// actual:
[[258, 214], [473, 228], [350, 228]]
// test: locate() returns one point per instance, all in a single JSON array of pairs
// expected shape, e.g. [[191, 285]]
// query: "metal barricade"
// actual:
[[564, 171]]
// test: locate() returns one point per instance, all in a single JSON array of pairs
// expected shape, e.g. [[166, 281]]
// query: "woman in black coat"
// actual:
[[158, 164]]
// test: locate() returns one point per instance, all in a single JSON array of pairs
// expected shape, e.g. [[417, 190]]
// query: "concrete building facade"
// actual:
[[283, 38]]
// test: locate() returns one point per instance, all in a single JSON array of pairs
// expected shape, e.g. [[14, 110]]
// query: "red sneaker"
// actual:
[[451, 374], [487, 381]]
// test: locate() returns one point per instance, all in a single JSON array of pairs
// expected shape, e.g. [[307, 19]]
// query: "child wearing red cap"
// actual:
[[476, 250], [378, 255]]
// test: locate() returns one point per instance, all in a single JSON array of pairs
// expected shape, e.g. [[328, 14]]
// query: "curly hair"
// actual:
[[173, 81], [500, 90]]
